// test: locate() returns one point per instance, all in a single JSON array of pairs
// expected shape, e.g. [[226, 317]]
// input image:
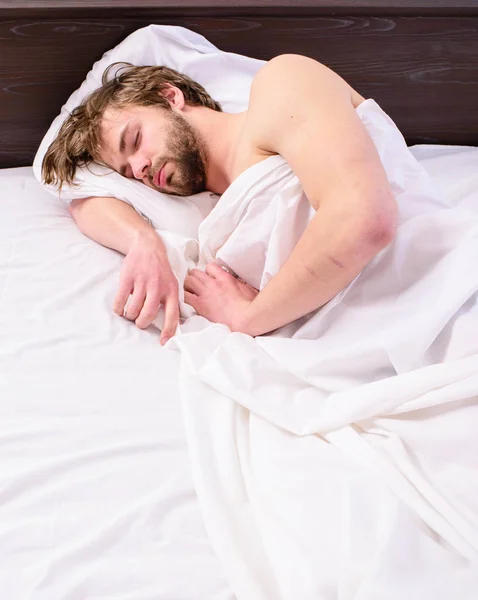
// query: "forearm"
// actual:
[[331, 253], [111, 222]]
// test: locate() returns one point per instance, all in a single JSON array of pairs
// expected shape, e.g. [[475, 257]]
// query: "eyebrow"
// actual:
[[122, 143], [122, 146]]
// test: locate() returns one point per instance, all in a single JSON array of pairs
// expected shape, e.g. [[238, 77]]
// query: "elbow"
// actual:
[[380, 229], [383, 234]]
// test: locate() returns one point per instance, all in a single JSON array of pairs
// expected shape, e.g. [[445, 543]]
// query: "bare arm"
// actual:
[[315, 127], [146, 275], [303, 111], [110, 222]]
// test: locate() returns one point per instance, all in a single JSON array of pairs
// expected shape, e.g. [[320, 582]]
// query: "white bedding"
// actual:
[[339, 465], [343, 463], [96, 495]]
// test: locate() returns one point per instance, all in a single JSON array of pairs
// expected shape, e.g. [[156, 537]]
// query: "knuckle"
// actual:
[[140, 279], [154, 296], [154, 284], [149, 316], [126, 274], [169, 293]]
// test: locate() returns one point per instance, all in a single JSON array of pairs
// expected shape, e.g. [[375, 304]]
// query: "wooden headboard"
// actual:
[[417, 58]]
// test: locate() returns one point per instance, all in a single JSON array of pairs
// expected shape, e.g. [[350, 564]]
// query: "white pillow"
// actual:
[[227, 78]]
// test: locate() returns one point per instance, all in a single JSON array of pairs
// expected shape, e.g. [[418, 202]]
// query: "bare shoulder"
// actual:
[[294, 65], [304, 111], [289, 89]]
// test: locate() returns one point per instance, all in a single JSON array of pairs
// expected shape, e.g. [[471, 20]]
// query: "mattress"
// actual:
[[96, 493]]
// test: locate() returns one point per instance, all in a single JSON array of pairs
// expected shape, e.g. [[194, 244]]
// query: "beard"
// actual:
[[186, 151]]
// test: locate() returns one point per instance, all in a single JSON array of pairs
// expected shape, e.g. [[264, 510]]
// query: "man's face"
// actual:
[[155, 145]]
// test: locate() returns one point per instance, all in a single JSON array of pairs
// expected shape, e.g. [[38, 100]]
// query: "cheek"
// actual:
[[154, 145]]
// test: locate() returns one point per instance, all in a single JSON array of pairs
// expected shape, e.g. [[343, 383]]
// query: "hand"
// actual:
[[219, 296], [147, 276]]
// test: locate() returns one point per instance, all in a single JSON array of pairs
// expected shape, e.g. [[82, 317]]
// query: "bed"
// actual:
[[103, 484]]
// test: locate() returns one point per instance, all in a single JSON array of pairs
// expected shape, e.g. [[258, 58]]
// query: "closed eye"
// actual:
[[126, 172]]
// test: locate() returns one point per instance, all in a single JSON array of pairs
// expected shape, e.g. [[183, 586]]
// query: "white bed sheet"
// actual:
[[342, 464], [96, 494]]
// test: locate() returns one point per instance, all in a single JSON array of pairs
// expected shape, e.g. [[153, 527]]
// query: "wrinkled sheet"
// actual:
[[97, 499], [335, 458], [338, 456]]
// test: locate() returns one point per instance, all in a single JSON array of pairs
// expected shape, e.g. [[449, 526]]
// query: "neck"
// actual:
[[220, 134]]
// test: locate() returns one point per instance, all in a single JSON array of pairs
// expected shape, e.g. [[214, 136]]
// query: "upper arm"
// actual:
[[304, 112]]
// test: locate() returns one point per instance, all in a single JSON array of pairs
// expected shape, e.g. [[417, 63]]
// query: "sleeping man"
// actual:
[[160, 127]]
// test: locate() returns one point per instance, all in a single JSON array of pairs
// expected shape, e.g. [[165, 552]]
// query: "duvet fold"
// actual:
[[337, 457]]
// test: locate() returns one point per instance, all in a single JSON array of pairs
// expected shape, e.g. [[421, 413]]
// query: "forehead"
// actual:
[[115, 119]]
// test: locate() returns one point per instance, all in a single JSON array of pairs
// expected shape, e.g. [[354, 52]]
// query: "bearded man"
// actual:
[[160, 127]]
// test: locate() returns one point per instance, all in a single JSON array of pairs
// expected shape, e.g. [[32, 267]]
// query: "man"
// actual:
[[163, 129]]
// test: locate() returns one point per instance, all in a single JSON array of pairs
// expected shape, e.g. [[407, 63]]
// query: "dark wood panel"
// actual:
[[384, 6], [152, 14], [422, 70]]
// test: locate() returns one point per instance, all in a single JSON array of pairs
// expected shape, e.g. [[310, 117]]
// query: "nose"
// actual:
[[140, 166]]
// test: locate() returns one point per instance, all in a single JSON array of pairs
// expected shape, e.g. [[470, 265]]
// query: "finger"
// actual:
[[124, 290], [199, 275], [149, 310], [135, 303], [193, 285], [191, 299], [214, 270], [248, 285], [171, 318]]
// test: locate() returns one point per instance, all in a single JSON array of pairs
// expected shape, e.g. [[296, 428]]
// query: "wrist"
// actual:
[[145, 238], [244, 322]]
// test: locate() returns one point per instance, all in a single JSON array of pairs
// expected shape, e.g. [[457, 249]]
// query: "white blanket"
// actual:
[[338, 457]]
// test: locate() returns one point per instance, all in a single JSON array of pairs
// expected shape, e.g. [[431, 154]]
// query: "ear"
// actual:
[[174, 96]]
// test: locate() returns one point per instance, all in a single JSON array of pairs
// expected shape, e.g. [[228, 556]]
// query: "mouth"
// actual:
[[159, 179]]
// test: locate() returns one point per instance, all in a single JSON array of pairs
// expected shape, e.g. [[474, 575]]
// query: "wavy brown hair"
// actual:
[[78, 141]]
